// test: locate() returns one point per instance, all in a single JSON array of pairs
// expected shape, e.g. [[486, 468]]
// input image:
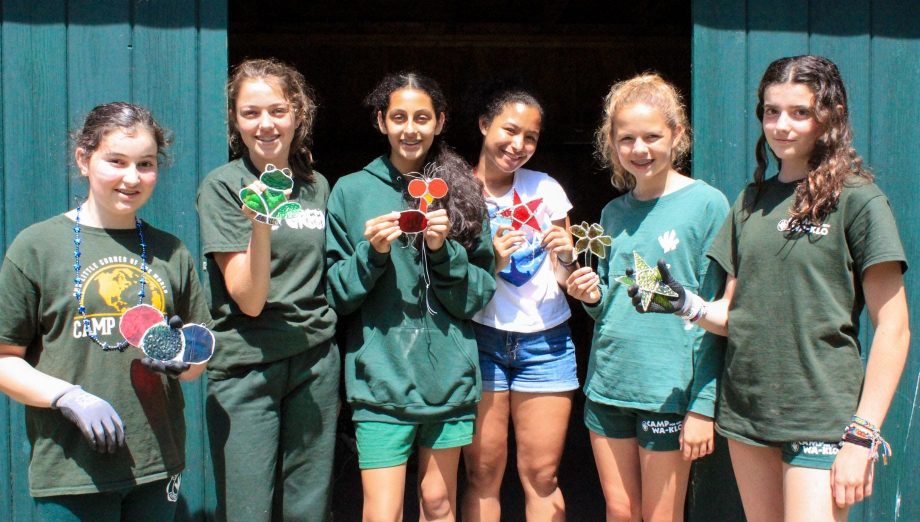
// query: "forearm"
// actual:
[[26, 385], [716, 318], [248, 274], [883, 371]]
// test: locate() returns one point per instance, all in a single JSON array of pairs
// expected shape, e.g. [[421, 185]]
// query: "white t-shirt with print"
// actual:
[[527, 297]]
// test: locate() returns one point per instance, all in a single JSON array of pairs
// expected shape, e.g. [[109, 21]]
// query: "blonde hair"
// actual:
[[652, 90]]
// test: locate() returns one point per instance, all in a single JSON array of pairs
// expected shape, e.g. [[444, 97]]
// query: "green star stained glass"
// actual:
[[271, 205], [591, 238], [648, 279]]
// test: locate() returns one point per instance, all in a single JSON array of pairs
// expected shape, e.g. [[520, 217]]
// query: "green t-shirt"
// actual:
[[296, 316], [792, 366], [40, 313], [649, 361]]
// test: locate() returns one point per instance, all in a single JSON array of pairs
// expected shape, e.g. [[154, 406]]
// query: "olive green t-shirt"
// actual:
[[792, 366], [41, 314], [296, 316]]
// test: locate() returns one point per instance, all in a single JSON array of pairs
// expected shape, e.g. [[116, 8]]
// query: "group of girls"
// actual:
[[457, 327]]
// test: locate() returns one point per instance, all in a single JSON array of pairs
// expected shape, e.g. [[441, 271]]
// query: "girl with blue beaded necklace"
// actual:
[[61, 351]]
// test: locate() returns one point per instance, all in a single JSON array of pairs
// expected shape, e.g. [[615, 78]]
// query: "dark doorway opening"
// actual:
[[570, 51]]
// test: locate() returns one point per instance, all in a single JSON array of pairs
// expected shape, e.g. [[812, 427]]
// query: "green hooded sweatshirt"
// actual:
[[403, 364]]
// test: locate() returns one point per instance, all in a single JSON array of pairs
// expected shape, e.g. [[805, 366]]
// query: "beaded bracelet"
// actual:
[[863, 433]]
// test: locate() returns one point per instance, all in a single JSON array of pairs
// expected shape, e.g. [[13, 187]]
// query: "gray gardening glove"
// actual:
[[100, 424], [676, 305]]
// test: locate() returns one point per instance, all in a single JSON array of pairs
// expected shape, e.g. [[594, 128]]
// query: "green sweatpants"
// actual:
[[144, 502], [272, 433]]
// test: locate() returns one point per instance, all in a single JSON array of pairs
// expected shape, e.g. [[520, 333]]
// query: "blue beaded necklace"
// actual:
[[78, 282]]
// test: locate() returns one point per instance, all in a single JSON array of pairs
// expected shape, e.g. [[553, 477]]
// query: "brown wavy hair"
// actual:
[[833, 159], [297, 92], [652, 90]]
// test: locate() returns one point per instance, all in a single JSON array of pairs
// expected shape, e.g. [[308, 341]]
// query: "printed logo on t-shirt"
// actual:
[[110, 287], [804, 227], [306, 218], [668, 241]]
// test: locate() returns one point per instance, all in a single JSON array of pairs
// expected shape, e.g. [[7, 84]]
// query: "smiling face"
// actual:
[[510, 139], [266, 122], [790, 125], [410, 124], [643, 141], [122, 173]]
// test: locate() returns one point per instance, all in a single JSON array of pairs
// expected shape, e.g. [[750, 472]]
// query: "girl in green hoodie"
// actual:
[[411, 365]]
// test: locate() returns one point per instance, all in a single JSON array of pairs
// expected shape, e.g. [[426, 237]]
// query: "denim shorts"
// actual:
[[652, 430], [539, 362]]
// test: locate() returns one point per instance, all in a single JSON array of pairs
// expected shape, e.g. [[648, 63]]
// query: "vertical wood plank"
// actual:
[[165, 80], [895, 111], [98, 64], [720, 109], [34, 111], [212, 152], [6, 490]]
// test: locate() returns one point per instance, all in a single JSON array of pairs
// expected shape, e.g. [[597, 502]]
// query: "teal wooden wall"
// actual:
[[876, 44], [58, 59]]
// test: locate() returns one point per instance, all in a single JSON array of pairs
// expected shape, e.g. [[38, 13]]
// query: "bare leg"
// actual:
[[759, 472], [437, 483], [664, 485], [383, 493], [808, 498], [540, 422], [485, 459], [618, 467]]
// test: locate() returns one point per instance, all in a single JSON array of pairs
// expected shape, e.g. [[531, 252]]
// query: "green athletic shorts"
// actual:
[[652, 431], [385, 444], [815, 454]]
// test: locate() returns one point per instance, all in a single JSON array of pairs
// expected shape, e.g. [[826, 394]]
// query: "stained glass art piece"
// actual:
[[648, 279], [146, 328], [590, 238], [426, 187], [271, 205], [521, 212]]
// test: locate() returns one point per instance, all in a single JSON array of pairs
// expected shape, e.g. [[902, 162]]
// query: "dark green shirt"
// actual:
[[40, 313], [404, 364], [296, 316], [792, 366]]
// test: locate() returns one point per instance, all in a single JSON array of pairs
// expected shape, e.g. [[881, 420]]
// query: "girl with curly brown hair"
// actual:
[[273, 385], [805, 251]]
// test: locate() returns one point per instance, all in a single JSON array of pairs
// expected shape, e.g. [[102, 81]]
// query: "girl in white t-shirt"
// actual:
[[525, 347]]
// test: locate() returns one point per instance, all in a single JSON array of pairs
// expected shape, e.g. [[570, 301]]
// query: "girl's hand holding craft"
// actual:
[[100, 424], [558, 241], [696, 437], [258, 187], [382, 230], [438, 228], [582, 284], [851, 475], [506, 242]]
